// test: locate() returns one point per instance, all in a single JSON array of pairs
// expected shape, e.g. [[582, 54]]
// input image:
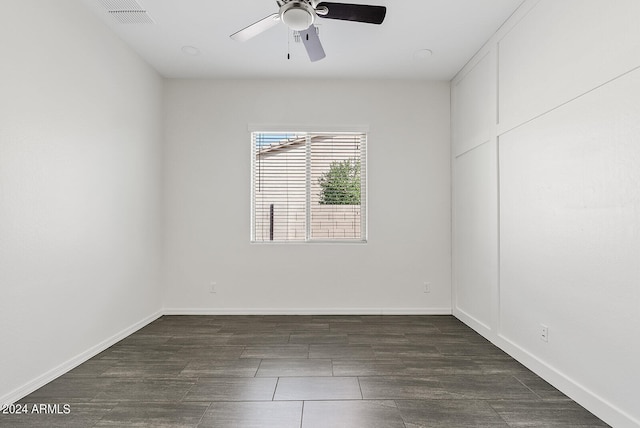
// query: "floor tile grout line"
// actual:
[[526, 386], [498, 413], [255, 375], [205, 412], [273, 397], [193, 384]]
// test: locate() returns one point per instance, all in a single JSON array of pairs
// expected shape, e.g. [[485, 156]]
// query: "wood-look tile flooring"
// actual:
[[304, 371]]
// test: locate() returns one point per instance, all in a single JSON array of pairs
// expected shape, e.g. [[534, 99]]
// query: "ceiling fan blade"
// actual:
[[312, 43], [256, 28], [353, 12]]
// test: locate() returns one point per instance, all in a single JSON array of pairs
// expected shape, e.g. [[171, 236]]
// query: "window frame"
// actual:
[[364, 226]]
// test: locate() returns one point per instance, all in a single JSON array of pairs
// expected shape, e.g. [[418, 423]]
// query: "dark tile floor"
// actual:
[[304, 371]]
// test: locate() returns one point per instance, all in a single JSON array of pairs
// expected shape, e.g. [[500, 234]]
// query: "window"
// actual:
[[308, 187]]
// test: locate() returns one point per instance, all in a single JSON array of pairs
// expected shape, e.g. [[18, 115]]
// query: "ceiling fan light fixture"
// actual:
[[297, 15]]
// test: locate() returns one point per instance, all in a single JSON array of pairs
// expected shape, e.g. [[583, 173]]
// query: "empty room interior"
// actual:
[[480, 269]]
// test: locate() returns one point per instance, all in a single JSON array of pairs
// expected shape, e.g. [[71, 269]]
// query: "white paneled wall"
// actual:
[[475, 243], [554, 189], [475, 202], [570, 238], [473, 93], [562, 49]]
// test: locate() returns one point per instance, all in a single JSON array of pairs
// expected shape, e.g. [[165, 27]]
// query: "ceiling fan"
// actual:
[[299, 15]]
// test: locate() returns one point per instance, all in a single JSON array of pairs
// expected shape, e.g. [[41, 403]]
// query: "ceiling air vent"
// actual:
[[131, 16], [127, 11]]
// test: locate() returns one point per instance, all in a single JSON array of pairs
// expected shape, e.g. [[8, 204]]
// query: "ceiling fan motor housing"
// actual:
[[297, 15]]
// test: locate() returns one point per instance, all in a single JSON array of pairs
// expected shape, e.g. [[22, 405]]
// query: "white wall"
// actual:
[[475, 195], [556, 166], [80, 134], [208, 199]]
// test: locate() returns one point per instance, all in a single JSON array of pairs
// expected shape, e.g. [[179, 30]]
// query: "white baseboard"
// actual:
[[588, 399], [480, 327], [63, 368], [74, 362], [574, 390], [308, 311], [591, 401]]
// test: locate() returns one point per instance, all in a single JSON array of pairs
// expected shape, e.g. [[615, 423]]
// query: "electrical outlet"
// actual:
[[427, 287], [213, 287], [544, 333]]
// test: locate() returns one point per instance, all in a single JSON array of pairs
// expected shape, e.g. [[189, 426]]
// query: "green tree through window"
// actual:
[[341, 184]]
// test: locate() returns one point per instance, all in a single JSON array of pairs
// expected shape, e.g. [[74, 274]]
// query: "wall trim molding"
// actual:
[[479, 327], [43, 379], [579, 393], [574, 390], [583, 396], [307, 311]]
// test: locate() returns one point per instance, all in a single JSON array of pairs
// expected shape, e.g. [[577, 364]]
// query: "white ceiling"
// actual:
[[453, 29]]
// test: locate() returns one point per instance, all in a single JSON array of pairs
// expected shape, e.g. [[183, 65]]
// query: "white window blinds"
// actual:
[[308, 186]]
